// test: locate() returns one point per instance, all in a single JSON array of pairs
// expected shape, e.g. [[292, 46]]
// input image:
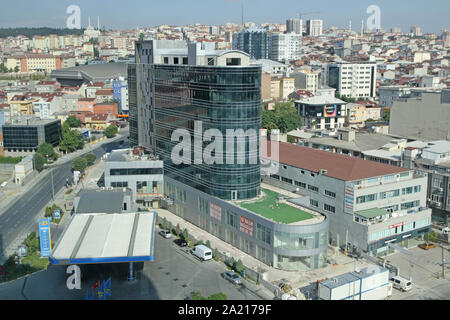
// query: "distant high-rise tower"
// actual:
[[314, 27], [98, 23], [294, 25], [253, 41], [415, 31], [350, 26], [362, 27]]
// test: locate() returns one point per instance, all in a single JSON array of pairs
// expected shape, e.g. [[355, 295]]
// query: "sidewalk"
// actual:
[[296, 279]]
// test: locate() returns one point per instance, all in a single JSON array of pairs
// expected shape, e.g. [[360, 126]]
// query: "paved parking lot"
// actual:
[[426, 274]]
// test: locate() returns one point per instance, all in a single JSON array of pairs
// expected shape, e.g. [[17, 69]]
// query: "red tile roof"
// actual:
[[338, 166]]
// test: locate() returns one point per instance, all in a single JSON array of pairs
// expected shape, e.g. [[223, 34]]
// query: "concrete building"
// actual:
[[295, 26], [415, 31], [281, 87], [285, 47], [110, 201], [306, 80], [253, 41], [274, 68], [314, 27], [322, 112], [369, 204], [130, 168], [120, 89], [23, 169], [358, 114], [354, 80], [425, 117]]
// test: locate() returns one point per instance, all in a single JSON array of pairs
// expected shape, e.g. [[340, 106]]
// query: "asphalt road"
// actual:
[[16, 220], [172, 276]]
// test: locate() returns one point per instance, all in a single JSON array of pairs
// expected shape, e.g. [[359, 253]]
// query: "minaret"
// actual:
[[242, 13], [362, 27], [98, 23], [89, 22]]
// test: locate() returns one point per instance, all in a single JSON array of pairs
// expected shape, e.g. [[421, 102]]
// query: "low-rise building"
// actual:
[[144, 175], [369, 204]]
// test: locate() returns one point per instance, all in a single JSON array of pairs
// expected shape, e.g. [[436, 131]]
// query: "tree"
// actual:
[[39, 161], [387, 115], [239, 266], [111, 131], [90, 158], [79, 164], [208, 243], [331, 50], [47, 151], [284, 117], [71, 141], [73, 122], [141, 37], [16, 69], [178, 229], [185, 234]]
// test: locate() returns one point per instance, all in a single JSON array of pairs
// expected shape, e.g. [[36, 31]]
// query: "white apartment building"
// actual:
[[314, 27], [285, 47], [355, 80], [306, 80], [295, 26]]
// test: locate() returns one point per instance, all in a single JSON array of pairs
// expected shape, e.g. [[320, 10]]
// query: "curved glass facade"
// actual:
[[221, 98]]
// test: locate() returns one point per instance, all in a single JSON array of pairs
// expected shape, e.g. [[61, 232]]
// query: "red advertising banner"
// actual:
[[246, 226], [396, 225]]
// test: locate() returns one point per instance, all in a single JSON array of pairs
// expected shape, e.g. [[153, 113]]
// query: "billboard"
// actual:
[[349, 198], [45, 237], [215, 211], [246, 226], [330, 111]]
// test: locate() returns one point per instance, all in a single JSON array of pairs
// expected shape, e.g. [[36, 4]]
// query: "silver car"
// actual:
[[233, 277], [165, 233]]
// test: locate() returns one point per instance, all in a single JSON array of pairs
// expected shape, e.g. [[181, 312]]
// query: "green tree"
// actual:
[[90, 158], [331, 50], [71, 139], [46, 149], [3, 68], [73, 122], [110, 131], [208, 244], [178, 229], [16, 69], [284, 117], [185, 234], [141, 37], [79, 164], [39, 161], [387, 115]]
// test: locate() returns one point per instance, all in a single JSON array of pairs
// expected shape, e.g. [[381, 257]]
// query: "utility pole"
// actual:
[[53, 189], [443, 262]]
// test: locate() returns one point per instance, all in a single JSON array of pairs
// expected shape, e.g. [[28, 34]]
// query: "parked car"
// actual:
[[165, 233], [202, 252], [401, 284], [233, 277], [427, 245], [181, 242], [446, 230]]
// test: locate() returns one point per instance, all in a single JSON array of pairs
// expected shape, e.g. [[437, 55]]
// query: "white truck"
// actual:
[[202, 252]]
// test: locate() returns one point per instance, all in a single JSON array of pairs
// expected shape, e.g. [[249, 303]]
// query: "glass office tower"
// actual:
[[221, 98]]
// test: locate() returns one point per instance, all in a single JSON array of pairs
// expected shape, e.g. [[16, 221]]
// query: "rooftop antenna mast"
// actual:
[[242, 13]]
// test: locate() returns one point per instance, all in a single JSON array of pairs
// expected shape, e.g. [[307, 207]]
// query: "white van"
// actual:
[[401, 284], [446, 230], [202, 252]]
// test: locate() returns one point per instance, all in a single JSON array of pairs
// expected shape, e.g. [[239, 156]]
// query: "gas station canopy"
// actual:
[[106, 238]]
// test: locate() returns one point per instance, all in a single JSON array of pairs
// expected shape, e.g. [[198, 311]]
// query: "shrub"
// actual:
[[239, 267], [178, 230], [208, 244], [185, 234]]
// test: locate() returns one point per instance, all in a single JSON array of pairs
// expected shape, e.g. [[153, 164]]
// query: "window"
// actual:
[[366, 198], [389, 194], [231, 219], [314, 203], [176, 60], [389, 177], [203, 205], [330, 194], [409, 205], [210, 61], [233, 61], [329, 208], [119, 184], [263, 233], [407, 190], [286, 180], [313, 188], [166, 60], [300, 184], [185, 60]]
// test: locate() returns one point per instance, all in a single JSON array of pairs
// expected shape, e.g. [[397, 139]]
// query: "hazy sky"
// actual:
[[430, 15]]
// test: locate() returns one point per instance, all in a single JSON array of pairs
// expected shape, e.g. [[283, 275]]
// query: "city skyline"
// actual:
[[402, 14]]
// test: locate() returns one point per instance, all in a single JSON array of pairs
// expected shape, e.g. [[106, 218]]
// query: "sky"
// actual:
[[430, 15]]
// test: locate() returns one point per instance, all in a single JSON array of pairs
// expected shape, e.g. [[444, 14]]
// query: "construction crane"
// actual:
[[300, 14]]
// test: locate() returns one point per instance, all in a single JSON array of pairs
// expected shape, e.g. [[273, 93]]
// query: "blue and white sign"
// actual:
[[45, 237], [56, 214], [87, 134]]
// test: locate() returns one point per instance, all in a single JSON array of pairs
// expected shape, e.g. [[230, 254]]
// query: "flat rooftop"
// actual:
[[106, 201], [126, 155], [270, 207], [106, 238]]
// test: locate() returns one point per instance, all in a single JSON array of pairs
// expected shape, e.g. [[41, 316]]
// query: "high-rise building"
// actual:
[[176, 85], [415, 30], [253, 41], [396, 30], [314, 27], [294, 25], [446, 38], [353, 79], [285, 47]]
